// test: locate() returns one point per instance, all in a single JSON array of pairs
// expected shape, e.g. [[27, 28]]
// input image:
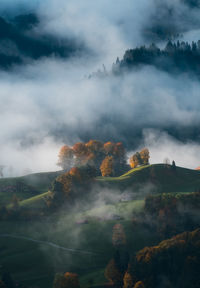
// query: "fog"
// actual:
[[49, 102], [163, 146]]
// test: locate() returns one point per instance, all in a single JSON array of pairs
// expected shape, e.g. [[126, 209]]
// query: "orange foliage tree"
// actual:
[[81, 154], [94, 146], [109, 148], [140, 158], [107, 166], [66, 157], [93, 153]]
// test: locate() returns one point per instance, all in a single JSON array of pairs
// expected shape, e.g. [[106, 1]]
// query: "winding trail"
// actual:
[[47, 243]]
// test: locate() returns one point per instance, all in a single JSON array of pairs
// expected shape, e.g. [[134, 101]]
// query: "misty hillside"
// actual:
[[170, 20], [99, 144], [26, 186], [21, 41], [32, 190], [32, 254], [175, 58], [160, 177]]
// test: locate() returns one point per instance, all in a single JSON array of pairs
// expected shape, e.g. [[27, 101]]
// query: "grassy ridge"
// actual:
[[25, 187], [162, 177], [159, 178]]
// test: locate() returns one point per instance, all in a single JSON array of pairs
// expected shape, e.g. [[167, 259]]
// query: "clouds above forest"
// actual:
[[51, 101]]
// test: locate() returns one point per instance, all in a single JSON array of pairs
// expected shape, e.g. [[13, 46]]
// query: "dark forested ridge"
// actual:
[[20, 41], [169, 20], [179, 57]]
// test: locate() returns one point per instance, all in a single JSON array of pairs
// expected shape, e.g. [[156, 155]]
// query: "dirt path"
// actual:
[[46, 243]]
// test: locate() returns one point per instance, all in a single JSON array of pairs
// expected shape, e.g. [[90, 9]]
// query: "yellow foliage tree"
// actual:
[[135, 160]]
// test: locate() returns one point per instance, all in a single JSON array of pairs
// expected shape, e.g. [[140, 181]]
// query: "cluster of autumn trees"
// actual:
[[172, 263], [176, 260], [82, 162], [109, 159]]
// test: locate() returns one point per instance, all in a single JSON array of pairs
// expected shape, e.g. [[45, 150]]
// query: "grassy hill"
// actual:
[[157, 178], [25, 248], [163, 179], [26, 187]]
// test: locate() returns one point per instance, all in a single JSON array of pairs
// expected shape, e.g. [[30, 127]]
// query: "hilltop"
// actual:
[[163, 179]]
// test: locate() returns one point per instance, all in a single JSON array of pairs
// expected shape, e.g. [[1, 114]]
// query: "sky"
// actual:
[[51, 102]]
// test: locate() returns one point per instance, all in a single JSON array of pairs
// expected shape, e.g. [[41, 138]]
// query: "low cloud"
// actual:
[[162, 146], [50, 102]]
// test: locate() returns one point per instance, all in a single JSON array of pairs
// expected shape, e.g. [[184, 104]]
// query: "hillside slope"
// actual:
[[26, 187], [157, 178], [161, 178]]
